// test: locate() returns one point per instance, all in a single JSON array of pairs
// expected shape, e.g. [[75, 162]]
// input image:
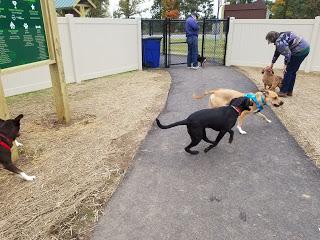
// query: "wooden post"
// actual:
[[82, 11], [56, 69], [4, 114]]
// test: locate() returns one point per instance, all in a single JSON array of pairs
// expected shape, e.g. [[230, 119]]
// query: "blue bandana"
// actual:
[[253, 97]]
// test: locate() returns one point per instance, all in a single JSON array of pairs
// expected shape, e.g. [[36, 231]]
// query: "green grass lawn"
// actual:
[[213, 48]]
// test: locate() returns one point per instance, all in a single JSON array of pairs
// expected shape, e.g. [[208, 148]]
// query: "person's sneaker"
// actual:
[[189, 67], [289, 94], [195, 68], [281, 94]]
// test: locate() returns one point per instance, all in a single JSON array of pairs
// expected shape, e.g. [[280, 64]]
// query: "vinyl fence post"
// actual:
[[139, 34], [229, 37], [313, 43], [70, 21]]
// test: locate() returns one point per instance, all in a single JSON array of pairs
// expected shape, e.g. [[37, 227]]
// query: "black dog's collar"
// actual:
[[236, 109], [6, 146]]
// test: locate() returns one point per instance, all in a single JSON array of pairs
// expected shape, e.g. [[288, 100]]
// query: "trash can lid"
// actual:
[[152, 38]]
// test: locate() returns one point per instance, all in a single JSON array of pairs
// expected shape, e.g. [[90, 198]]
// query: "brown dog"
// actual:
[[222, 97], [271, 80]]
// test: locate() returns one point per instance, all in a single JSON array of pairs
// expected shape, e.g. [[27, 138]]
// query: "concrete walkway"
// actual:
[[260, 187]]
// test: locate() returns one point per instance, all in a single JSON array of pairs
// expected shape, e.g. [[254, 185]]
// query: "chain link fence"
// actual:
[[212, 39]]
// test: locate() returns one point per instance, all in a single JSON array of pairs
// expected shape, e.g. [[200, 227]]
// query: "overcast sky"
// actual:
[[147, 4]]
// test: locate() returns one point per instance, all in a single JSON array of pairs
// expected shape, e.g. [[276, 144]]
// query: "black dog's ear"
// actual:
[[18, 118], [237, 101], [233, 101]]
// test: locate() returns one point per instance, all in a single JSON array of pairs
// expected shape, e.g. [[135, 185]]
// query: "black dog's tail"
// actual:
[[183, 122]]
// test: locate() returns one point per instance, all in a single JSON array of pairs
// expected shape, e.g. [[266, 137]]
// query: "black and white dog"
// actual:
[[9, 131], [202, 60], [220, 119]]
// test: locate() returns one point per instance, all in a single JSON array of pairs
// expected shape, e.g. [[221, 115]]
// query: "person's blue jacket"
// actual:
[[191, 27], [288, 44]]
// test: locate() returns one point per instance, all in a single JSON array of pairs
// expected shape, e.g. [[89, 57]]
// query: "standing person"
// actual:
[[294, 49], [192, 31]]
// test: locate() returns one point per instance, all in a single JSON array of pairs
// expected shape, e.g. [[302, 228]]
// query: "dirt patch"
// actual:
[[300, 113], [78, 166]]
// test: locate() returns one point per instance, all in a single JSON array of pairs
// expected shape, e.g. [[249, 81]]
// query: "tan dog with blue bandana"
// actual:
[[222, 97]]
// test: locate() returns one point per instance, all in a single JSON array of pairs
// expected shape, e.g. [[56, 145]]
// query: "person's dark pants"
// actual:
[[290, 76], [192, 59]]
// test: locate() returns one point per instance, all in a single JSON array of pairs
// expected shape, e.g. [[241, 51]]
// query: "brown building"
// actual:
[[256, 10]]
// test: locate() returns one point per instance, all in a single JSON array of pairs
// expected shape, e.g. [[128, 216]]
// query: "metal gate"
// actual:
[[212, 40]]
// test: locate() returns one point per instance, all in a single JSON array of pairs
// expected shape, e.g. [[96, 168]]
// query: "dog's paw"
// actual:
[[30, 178], [27, 177], [194, 152], [191, 152], [207, 149], [18, 144], [241, 131]]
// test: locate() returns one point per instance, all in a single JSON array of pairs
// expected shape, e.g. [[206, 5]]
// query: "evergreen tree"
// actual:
[[156, 9], [128, 8], [101, 10]]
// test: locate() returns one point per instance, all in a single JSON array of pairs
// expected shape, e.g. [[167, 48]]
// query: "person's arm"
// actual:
[[287, 54], [275, 57], [194, 25], [284, 49]]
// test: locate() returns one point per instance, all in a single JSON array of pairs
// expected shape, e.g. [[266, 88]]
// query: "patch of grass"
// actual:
[[213, 48]]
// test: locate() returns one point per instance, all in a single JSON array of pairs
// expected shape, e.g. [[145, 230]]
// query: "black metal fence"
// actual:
[[212, 40]]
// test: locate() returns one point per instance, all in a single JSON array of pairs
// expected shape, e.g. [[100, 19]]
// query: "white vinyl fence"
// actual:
[[94, 47], [247, 45], [91, 48]]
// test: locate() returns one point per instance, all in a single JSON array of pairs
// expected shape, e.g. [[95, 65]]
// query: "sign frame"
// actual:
[[55, 64]]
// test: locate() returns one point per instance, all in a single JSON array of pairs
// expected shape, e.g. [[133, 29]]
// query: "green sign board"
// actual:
[[22, 33]]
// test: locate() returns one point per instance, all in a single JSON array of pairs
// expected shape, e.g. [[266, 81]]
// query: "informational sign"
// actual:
[[22, 33]]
